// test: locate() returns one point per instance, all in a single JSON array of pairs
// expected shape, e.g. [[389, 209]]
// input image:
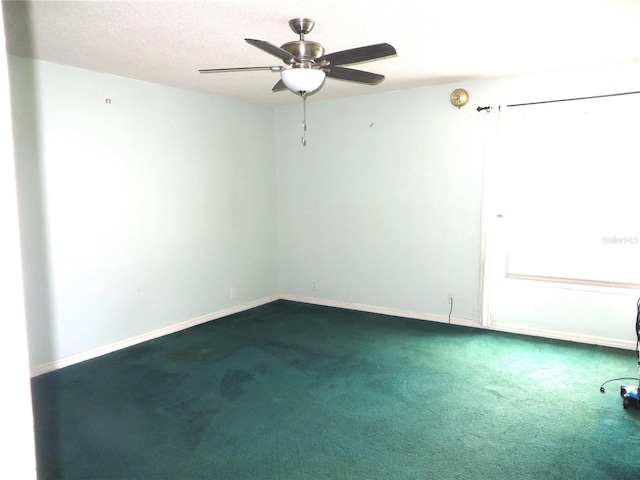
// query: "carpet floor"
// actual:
[[296, 391]]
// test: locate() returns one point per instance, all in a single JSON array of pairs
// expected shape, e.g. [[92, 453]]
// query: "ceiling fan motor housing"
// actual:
[[304, 50]]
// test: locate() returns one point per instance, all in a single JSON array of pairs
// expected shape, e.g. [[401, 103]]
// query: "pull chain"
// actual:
[[304, 118]]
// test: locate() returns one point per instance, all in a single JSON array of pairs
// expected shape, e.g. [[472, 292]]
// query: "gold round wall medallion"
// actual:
[[459, 97]]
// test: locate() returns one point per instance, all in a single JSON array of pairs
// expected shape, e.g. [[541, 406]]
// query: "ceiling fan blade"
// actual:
[[272, 49], [279, 87], [360, 54], [240, 69], [353, 75]]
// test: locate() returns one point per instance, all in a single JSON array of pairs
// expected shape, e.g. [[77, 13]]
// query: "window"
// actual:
[[569, 190]]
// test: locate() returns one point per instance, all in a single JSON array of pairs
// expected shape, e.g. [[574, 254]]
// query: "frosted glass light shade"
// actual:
[[302, 79]]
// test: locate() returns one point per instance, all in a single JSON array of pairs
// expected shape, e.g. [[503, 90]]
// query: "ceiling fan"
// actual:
[[306, 63]]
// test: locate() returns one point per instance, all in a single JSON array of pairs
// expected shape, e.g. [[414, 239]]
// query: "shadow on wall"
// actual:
[[32, 206]]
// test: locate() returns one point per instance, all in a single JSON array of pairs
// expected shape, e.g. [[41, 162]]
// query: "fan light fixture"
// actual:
[[301, 79]]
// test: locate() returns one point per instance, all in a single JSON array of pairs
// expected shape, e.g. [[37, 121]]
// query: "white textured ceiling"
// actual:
[[438, 41]]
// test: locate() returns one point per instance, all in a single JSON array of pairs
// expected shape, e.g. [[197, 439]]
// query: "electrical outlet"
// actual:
[[314, 286], [233, 293]]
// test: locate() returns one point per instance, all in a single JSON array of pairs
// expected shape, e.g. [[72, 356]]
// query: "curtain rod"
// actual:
[[572, 99]]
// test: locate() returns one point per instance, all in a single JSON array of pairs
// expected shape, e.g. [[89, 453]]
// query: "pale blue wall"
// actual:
[[140, 213], [384, 206]]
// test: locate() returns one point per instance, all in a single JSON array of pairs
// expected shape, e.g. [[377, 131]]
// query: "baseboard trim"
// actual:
[[129, 342], [516, 329], [498, 327], [382, 310], [570, 337]]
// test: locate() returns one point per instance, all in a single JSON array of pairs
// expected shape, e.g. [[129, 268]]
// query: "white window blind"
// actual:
[[569, 189]]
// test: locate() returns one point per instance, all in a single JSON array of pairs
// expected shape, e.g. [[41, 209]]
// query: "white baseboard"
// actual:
[[382, 310], [128, 342], [536, 332], [570, 337]]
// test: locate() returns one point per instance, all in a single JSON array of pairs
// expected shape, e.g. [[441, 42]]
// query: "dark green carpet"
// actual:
[[294, 391]]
